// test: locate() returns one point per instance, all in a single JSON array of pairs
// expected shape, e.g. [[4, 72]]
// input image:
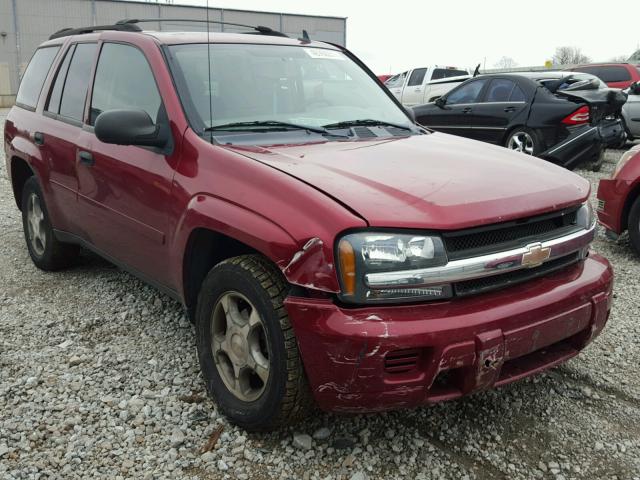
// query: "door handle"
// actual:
[[510, 109], [38, 138], [418, 90], [86, 158], [467, 110]]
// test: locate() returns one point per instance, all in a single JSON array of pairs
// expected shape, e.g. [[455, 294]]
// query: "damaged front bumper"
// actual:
[[378, 358]]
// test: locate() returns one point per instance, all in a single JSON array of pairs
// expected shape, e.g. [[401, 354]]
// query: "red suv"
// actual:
[[619, 198], [326, 247], [615, 75]]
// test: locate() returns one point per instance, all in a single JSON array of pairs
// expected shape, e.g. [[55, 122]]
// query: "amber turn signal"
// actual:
[[347, 258]]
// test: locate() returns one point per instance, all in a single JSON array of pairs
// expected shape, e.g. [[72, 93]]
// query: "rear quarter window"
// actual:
[[35, 75]]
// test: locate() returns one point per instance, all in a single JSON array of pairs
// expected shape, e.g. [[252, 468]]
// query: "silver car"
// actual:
[[631, 111]]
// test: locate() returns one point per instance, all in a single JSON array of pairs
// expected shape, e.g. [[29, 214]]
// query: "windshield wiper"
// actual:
[[274, 125], [366, 122]]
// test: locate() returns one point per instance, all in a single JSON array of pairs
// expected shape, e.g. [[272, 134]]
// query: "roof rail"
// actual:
[[125, 27], [261, 30]]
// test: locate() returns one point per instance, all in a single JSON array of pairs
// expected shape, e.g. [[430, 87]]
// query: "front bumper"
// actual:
[[379, 358]]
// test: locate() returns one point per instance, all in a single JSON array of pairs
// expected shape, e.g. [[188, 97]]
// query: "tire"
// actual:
[[634, 225], [233, 291], [530, 142], [46, 252]]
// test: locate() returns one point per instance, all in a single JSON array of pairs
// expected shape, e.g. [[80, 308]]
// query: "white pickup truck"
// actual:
[[424, 85]]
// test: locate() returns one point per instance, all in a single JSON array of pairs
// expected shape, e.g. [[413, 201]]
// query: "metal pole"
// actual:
[[94, 13], [14, 8]]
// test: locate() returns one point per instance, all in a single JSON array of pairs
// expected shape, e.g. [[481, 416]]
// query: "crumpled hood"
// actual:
[[433, 181]]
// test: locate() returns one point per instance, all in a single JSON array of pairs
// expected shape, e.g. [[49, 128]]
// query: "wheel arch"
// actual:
[[214, 229], [21, 171], [633, 195], [206, 248], [510, 130]]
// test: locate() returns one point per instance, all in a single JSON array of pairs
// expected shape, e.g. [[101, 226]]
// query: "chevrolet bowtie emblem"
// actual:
[[535, 255]]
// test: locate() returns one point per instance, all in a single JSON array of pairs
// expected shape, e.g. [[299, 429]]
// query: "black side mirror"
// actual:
[[440, 102], [130, 127], [634, 89]]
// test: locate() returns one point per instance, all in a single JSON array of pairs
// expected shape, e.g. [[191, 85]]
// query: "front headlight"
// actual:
[[626, 156], [586, 216], [374, 252]]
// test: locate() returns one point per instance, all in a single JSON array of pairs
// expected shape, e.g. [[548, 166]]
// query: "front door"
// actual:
[[125, 191], [454, 115]]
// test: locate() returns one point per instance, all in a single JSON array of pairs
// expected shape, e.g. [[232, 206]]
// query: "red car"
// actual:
[[615, 75], [619, 198], [326, 247]]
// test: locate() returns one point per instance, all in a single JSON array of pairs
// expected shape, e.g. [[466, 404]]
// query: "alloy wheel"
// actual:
[[521, 142], [35, 225], [239, 346]]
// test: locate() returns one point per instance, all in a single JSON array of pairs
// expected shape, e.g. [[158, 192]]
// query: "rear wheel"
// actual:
[[247, 350], [634, 225], [46, 252], [524, 140]]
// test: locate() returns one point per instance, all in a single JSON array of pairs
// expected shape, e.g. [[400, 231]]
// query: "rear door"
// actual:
[[413, 93], [502, 105], [454, 116], [62, 130], [125, 191]]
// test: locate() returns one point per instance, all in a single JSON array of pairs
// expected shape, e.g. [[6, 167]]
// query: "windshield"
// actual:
[[297, 85]]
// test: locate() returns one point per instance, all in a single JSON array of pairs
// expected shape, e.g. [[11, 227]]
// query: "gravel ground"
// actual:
[[99, 379]]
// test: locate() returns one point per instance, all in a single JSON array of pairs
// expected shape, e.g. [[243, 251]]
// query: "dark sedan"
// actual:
[[564, 117]]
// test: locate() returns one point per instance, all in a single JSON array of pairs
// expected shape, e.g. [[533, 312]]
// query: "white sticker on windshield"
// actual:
[[324, 53]]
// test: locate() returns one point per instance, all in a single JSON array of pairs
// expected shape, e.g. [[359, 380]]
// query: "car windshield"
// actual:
[[306, 86]]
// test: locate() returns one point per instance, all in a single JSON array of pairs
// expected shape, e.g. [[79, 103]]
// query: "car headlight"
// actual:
[[374, 252], [586, 216], [626, 156]]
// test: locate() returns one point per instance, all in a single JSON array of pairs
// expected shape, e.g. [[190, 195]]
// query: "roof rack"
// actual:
[[131, 25], [66, 32], [262, 30]]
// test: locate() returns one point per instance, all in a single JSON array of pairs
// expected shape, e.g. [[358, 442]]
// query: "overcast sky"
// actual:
[[391, 36]]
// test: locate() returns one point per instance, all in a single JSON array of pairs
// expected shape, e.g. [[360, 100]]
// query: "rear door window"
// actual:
[[53, 105], [124, 80], [73, 82], [499, 90], [417, 77], [468, 93], [35, 75]]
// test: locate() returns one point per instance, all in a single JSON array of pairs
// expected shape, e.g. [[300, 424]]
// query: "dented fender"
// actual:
[[310, 265]]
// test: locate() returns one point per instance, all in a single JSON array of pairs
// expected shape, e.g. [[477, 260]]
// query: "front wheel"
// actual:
[[247, 350], [524, 140], [634, 225]]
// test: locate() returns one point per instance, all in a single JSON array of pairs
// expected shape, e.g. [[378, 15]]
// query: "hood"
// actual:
[[433, 181]]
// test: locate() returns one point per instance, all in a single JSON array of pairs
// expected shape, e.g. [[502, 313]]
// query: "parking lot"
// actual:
[[99, 379]]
